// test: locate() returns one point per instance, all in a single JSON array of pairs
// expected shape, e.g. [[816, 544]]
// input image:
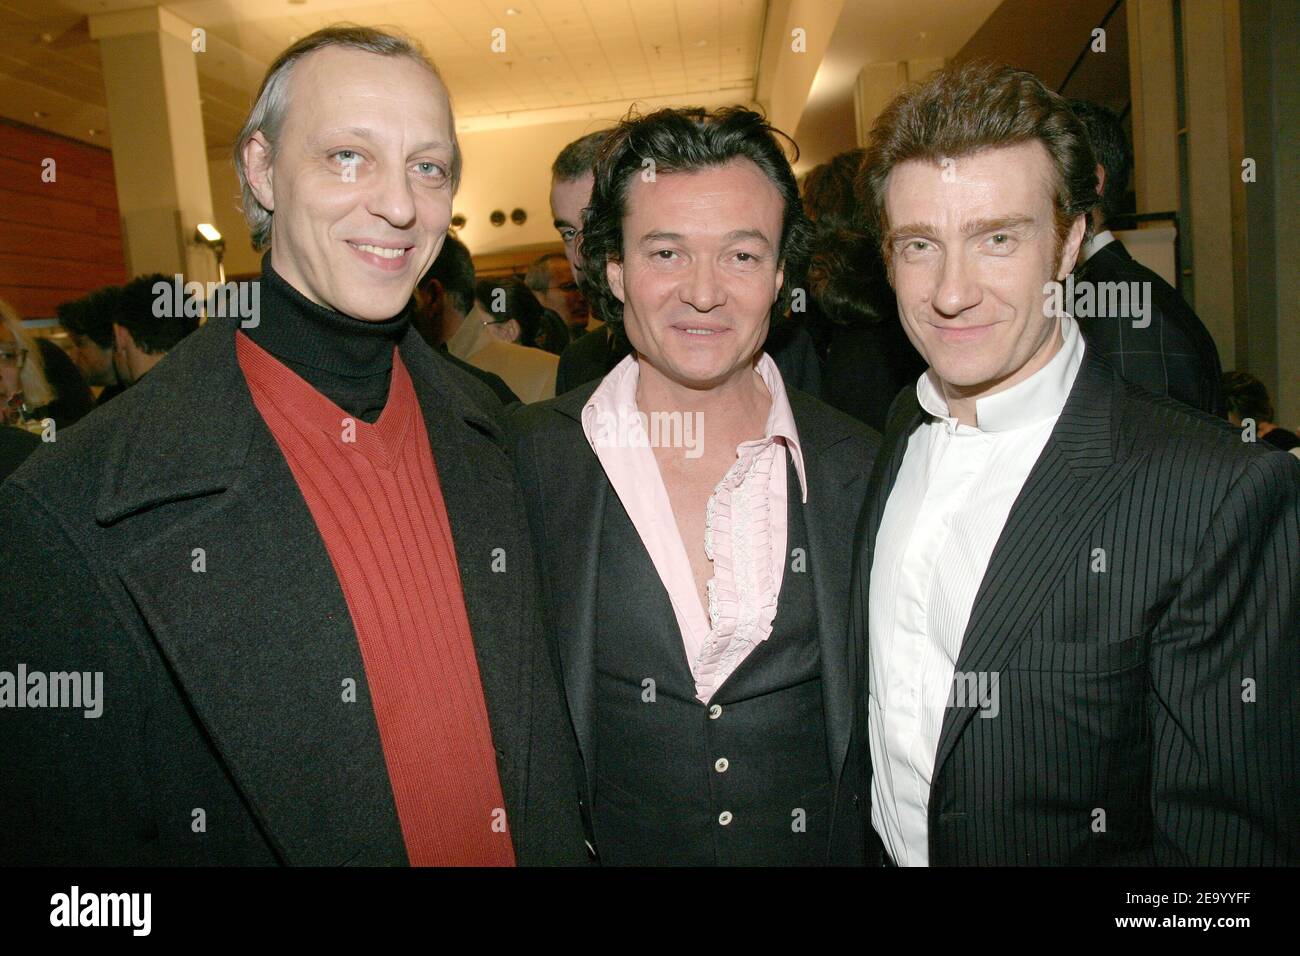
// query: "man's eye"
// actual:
[[431, 169], [1000, 239], [664, 254], [347, 157], [568, 235], [746, 257]]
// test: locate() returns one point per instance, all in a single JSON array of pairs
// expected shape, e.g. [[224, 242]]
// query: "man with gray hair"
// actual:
[[556, 287], [319, 638]]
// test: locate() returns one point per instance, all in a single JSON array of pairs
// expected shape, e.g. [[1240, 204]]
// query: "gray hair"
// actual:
[[270, 107], [538, 277]]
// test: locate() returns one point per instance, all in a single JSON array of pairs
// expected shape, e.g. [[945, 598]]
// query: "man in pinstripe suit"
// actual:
[[1077, 602]]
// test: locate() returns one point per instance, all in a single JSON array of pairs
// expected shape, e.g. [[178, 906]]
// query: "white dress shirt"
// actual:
[[944, 515]]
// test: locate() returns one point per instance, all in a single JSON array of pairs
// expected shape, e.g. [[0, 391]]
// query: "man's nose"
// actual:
[[702, 290], [957, 289], [391, 197]]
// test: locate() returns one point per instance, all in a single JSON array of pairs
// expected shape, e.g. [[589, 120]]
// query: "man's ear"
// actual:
[[780, 281], [1070, 251], [257, 168], [614, 274], [1101, 179], [122, 340]]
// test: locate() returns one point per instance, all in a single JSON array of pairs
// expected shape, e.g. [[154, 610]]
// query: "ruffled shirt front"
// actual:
[[745, 521]]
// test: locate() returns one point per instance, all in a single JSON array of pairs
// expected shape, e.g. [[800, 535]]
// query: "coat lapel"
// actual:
[[260, 640], [836, 468], [1079, 471], [573, 552]]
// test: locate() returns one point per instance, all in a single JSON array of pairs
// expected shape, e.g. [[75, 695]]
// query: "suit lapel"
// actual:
[[1079, 471], [573, 552], [835, 468]]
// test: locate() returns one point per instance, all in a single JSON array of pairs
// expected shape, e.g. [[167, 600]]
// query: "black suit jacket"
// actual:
[[1174, 355], [1124, 733], [225, 737], [555, 462]]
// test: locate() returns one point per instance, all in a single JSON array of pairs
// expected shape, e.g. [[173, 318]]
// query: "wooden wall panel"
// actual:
[[58, 240]]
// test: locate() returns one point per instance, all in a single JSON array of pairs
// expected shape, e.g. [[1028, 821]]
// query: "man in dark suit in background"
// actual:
[[592, 354], [1162, 345], [290, 566], [1079, 601], [697, 591]]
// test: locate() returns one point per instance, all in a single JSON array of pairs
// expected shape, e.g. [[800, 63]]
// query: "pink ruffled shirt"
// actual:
[[745, 523]]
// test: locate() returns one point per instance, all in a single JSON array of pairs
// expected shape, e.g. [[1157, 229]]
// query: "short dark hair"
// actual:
[[971, 107], [680, 141], [828, 195], [578, 158], [1246, 396], [518, 303], [134, 312], [91, 316], [1110, 147], [454, 270]]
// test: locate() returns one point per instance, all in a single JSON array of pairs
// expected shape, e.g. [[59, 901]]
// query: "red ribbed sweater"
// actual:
[[374, 494]]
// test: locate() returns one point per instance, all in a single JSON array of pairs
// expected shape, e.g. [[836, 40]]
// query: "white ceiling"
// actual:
[[561, 55]]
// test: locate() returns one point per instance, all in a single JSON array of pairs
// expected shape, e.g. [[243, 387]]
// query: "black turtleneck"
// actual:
[[347, 360]]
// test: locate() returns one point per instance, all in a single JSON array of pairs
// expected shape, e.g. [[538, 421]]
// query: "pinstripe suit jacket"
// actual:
[[1148, 711]]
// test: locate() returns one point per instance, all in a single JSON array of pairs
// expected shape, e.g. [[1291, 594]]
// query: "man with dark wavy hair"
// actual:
[[1079, 601], [697, 595]]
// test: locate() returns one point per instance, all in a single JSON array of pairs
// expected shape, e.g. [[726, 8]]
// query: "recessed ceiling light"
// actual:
[[701, 42], [511, 12], [40, 114], [47, 37], [93, 132]]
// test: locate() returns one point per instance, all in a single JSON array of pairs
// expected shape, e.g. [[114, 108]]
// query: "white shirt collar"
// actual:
[[1103, 238], [1040, 396]]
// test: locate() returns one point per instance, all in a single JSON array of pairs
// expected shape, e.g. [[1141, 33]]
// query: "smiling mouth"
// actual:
[[381, 251], [697, 331]]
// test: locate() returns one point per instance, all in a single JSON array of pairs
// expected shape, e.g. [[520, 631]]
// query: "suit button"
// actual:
[[715, 712], [724, 817], [721, 765], [855, 800]]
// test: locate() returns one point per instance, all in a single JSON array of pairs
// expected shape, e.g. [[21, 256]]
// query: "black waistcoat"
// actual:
[[669, 769]]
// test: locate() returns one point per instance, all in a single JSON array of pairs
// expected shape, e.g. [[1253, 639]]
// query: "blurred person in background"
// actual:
[[1247, 398], [89, 324], [435, 314], [515, 312], [1168, 350], [40, 380], [141, 339], [471, 335], [552, 280], [19, 377], [594, 353], [866, 358]]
